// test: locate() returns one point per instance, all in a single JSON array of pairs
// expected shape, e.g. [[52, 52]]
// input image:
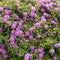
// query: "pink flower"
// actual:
[[27, 33], [53, 22], [27, 56], [25, 18], [1, 9], [16, 17], [33, 14], [46, 15], [12, 38], [38, 35], [39, 50], [30, 36], [57, 45], [33, 9], [25, 14], [18, 32], [1, 29], [52, 51], [57, 9], [7, 12], [31, 29], [42, 10], [58, 4], [25, 40], [32, 47], [14, 24], [40, 56], [5, 56], [54, 58], [9, 23], [2, 45], [45, 27], [3, 51], [42, 4], [42, 18], [6, 17], [37, 24], [20, 24]]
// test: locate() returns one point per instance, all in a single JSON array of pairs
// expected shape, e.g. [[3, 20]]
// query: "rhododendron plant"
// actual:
[[29, 30]]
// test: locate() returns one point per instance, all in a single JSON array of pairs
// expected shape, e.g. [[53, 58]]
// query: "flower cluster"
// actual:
[[29, 32], [1, 29], [27, 56], [33, 14], [3, 51]]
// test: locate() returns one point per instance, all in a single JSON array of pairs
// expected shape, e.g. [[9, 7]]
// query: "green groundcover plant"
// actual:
[[29, 30]]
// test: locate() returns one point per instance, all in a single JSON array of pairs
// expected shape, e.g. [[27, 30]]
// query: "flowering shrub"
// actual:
[[29, 30]]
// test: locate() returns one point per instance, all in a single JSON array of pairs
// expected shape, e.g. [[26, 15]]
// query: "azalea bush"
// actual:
[[29, 30]]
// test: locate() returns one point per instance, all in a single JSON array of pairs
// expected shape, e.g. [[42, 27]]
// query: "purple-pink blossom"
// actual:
[[33, 9], [40, 56], [14, 24], [53, 22], [52, 51], [1, 29], [46, 15], [16, 17], [6, 18], [2, 45], [8, 12], [54, 58], [5, 56], [28, 56], [33, 14], [45, 27], [57, 45], [32, 47], [42, 10], [25, 14], [1, 9], [3, 51]]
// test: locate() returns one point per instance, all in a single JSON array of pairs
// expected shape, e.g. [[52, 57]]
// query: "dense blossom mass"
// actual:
[[30, 31]]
